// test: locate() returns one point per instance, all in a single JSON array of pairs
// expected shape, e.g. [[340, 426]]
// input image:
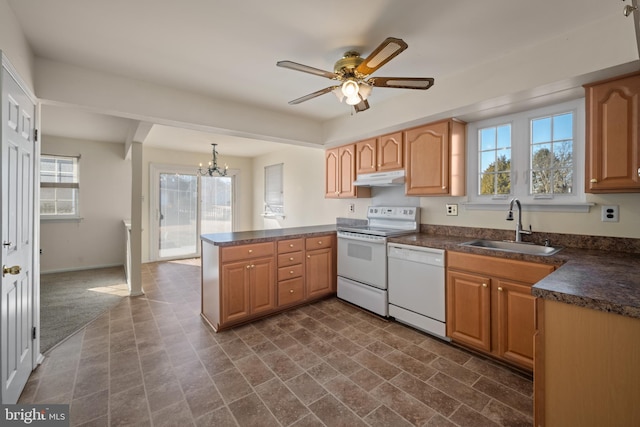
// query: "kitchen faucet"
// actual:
[[519, 230]]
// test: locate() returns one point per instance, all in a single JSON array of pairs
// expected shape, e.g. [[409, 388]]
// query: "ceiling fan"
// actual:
[[353, 72]]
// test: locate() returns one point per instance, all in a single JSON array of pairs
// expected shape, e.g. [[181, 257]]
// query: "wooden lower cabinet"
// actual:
[[250, 289], [244, 282], [320, 266], [490, 307], [587, 370]]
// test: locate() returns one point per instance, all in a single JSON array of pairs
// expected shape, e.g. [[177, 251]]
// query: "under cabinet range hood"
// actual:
[[380, 179]]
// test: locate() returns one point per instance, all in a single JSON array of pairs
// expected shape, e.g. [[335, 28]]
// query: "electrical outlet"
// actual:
[[610, 213], [352, 207], [452, 210]]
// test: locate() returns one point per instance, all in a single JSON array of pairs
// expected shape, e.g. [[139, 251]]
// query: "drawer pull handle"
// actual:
[[593, 181], [291, 272], [290, 258], [250, 250], [319, 242], [290, 291], [290, 245]]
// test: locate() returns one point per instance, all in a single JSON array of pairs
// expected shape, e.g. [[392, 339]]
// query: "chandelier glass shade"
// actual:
[[213, 168]]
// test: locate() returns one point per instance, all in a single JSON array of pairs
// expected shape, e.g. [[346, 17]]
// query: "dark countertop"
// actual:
[[259, 236], [601, 280]]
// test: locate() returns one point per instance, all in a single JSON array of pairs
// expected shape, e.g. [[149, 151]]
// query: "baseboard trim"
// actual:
[[93, 267]]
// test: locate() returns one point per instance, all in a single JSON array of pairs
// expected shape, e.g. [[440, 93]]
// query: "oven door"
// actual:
[[363, 260]]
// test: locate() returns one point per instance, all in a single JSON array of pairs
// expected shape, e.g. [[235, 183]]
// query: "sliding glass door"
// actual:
[[184, 206], [216, 204], [178, 220]]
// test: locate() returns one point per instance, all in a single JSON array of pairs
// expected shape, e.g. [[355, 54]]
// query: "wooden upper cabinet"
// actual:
[[435, 159], [612, 155], [379, 154], [340, 164]]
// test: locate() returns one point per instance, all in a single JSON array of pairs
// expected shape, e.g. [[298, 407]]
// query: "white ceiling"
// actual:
[[229, 49]]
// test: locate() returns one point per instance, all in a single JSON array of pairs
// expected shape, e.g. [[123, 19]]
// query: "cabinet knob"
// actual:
[[593, 181], [319, 242], [290, 291], [291, 258], [291, 272], [290, 245], [500, 289], [308, 256], [484, 285], [250, 250], [252, 266], [248, 266]]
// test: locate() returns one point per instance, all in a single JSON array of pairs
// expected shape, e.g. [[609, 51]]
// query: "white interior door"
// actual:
[[18, 160]]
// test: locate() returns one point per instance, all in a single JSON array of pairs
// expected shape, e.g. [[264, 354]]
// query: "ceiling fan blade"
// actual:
[[306, 69], [384, 53], [422, 83], [363, 105], [313, 95]]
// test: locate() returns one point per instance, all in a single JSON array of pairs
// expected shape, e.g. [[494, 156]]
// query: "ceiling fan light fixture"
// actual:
[[350, 88], [337, 91], [353, 100], [364, 90]]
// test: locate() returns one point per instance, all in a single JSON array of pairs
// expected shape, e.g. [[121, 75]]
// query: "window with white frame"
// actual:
[[59, 186], [534, 155], [273, 191]]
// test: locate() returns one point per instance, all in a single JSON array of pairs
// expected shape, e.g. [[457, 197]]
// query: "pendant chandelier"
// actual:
[[213, 166]]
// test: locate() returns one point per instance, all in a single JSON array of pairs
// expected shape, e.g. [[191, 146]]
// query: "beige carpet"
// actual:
[[70, 300]]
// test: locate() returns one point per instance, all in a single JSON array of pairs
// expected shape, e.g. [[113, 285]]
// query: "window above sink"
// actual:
[[535, 155]]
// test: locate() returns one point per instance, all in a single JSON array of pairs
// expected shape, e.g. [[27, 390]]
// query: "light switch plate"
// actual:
[[452, 209], [610, 213]]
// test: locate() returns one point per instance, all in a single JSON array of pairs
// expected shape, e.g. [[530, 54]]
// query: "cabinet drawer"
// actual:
[[290, 291], [289, 259], [523, 271], [289, 272], [292, 245], [233, 253], [319, 242]]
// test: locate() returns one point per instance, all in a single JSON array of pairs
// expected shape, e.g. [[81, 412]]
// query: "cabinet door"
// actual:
[[613, 136], [468, 309], [331, 173], [427, 159], [366, 156], [390, 153], [319, 276], [346, 171], [262, 289], [235, 292], [515, 322]]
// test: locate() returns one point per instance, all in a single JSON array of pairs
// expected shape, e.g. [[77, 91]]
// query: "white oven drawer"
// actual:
[[367, 297]]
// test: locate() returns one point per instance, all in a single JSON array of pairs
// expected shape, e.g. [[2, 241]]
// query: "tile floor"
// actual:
[[151, 360]]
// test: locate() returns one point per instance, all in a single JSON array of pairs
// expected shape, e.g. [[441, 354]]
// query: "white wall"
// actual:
[[244, 182], [14, 45], [98, 239], [304, 186]]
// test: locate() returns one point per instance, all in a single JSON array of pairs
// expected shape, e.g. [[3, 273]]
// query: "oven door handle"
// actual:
[[361, 239]]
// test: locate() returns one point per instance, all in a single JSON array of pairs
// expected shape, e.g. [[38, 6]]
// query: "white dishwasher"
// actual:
[[417, 287]]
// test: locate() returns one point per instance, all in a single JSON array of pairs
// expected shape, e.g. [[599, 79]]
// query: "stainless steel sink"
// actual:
[[510, 246]]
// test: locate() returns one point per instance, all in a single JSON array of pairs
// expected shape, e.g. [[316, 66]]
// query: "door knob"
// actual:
[[11, 270]]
